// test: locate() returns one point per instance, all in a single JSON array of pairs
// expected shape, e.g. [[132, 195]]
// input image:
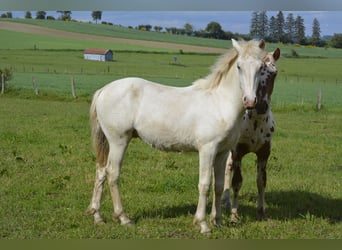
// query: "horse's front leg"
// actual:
[[227, 177], [206, 158], [262, 155], [218, 183]]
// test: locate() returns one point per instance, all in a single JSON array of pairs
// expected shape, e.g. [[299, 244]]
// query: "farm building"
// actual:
[[98, 54]]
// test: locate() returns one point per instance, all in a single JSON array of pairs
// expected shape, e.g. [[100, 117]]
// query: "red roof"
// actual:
[[96, 51]]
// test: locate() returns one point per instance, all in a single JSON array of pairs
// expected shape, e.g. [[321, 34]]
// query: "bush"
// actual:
[[294, 53], [7, 74]]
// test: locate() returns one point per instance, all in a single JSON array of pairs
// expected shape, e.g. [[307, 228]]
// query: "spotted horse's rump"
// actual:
[[257, 128]]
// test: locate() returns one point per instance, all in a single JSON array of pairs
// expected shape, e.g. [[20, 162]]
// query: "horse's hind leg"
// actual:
[[226, 189], [95, 204], [236, 185], [116, 154], [239, 151], [262, 155]]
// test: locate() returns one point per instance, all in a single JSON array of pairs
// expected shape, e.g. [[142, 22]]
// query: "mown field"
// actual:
[[47, 165]]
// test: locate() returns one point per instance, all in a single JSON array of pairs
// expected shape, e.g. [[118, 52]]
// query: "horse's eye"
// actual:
[[238, 67]]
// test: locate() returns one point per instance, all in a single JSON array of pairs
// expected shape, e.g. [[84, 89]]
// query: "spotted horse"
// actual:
[[257, 128]]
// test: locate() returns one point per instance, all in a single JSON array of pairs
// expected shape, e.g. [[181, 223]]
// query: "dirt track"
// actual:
[[33, 29]]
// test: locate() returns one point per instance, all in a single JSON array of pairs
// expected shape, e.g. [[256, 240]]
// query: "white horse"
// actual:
[[203, 117]]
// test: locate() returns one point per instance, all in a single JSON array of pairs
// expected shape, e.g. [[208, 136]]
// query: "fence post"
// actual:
[[35, 89], [73, 91], [2, 83]]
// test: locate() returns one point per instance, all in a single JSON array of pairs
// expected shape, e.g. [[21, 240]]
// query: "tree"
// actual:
[[272, 30], [144, 27], [280, 26], [148, 27], [289, 28], [336, 41], [9, 15], [40, 14], [263, 21], [65, 15], [254, 28], [158, 28], [28, 15], [96, 15], [299, 33], [189, 29], [214, 29], [316, 32]]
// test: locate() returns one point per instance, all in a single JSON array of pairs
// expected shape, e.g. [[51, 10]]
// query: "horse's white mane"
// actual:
[[225, 62]]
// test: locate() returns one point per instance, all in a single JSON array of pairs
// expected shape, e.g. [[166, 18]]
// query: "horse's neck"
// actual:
[[230, 89], [253, 114]]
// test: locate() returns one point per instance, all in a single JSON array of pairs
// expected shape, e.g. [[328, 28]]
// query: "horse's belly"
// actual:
[[168, 143]]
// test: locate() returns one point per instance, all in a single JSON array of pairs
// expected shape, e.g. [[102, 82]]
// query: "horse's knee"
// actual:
[[203, 188]]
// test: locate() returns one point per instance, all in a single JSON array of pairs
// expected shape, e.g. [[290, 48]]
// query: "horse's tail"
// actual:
[[100, 142]]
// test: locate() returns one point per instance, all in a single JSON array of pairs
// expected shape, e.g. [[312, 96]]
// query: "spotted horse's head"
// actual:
[[267, 77]]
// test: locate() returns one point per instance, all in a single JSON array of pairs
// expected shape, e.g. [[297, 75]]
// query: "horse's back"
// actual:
[[130, 104]]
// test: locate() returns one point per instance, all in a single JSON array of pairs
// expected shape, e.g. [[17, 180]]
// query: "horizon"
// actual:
[[233, 21]]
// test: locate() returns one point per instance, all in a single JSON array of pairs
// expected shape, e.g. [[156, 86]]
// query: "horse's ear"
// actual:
[[262, 44], [276, 54], [236, 45]]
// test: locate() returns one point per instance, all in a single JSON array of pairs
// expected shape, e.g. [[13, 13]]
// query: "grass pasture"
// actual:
[[47, 171], [47, 166]]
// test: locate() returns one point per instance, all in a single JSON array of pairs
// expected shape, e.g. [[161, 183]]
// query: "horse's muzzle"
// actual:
[[249, 103]]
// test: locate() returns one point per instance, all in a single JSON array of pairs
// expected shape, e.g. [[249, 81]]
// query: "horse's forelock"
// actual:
[[251, 49]]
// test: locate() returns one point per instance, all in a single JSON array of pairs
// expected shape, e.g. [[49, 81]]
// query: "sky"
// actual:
[[234, 21]]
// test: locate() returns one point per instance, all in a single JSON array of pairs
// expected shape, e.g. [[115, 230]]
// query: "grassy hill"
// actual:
[[123, 32]]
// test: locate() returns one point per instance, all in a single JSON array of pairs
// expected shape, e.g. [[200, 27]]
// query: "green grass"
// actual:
[[15, 40], [47, 166], [47, 171]]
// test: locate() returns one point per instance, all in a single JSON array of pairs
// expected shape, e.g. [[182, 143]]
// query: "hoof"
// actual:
[[97, 217], [234, 218], [204, 229], [216, 221], [99, 221], [261, 214], [123, 219]]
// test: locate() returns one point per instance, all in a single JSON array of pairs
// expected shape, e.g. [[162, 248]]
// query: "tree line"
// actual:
[[286, 30], [289, 29]]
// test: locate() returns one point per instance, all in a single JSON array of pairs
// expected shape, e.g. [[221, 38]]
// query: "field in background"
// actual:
[[298, 82], [47, 165]]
